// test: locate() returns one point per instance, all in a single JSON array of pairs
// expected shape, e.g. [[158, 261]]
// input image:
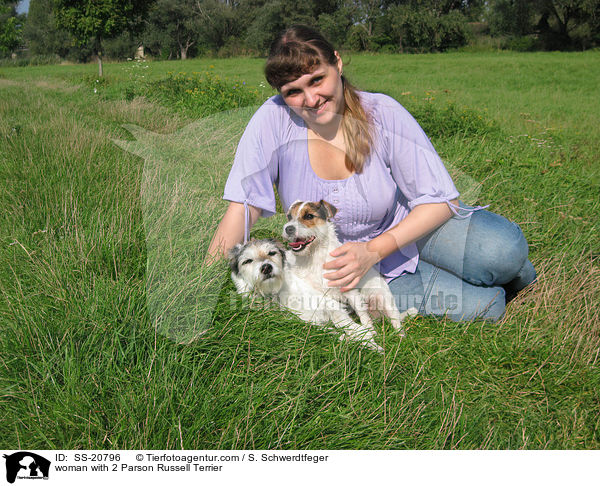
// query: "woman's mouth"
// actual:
[[318, 110]]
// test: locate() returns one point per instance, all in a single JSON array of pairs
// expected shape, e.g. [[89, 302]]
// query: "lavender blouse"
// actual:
[[402, 171]]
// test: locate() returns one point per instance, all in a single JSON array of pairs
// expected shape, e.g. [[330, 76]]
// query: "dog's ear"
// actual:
[[329, 209], [288, 214], [233, 256]]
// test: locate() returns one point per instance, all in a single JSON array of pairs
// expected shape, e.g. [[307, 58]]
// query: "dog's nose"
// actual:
[[290, 230], [266, 268]]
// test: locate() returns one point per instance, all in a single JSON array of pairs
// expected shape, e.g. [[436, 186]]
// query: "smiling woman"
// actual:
[[398, 207], [309, 76]]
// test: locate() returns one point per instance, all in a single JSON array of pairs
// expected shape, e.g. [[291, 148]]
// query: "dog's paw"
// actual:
[[367, 343], [397, 323], [375, 347]]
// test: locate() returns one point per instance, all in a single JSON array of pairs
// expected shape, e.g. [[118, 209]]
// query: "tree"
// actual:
[[567, 23], [173, 26], [11, 27], [558, 24], [368, 13], [97, 20], [511, 17], [185, 26], [336, 25], [41, 34]]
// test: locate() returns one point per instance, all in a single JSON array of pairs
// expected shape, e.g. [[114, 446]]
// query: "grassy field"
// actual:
[[115, 336]]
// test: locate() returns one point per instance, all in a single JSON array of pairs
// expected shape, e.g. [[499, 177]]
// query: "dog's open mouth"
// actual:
[[299, 244]]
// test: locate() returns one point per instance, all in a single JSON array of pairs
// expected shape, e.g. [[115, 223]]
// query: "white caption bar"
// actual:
[[26, 467]]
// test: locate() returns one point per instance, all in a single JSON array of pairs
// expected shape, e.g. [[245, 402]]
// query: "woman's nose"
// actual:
[[310, 98]]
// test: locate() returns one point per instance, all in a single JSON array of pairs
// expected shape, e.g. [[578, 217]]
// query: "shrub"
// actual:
[[521, 44], [31, 61], [450, 120], [200, 94], [415, 30]]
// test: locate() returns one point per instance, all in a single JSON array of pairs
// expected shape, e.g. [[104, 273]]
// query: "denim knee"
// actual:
[[496, 250], [434, 291]]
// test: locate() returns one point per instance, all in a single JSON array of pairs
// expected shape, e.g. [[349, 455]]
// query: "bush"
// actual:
[[450, 120], [453, 31], [521, 44], [359, 40], [120, 48], [31, 61], [418, 30], [235, 48], [200, 94]]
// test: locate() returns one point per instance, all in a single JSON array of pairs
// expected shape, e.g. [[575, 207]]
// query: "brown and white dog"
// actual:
[[311, 236]]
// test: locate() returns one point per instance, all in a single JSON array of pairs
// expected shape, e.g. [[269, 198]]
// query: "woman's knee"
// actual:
[[496, 250], [434, 291]]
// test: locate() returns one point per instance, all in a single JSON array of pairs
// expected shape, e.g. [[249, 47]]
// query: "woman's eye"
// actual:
[[308, 216], [245, 262]]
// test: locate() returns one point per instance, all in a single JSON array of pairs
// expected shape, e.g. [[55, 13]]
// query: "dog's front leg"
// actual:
[[360, 306], [384, 302], [342, 320]]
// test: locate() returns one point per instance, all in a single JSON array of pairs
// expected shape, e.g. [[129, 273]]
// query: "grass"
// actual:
[[114, 337]]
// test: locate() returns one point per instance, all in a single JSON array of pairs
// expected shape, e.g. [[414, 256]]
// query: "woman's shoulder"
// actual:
[[377, 99], [384, 109], [273, 112], [274, 106]]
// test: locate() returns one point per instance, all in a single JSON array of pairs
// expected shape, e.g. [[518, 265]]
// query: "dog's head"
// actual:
[[258, 265], [308, 224]]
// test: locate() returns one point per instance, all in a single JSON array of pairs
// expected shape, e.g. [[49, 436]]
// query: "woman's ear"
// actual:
[[340, 64]]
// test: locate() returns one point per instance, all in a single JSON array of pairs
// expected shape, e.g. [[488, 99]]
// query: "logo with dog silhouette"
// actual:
[[26, 465]]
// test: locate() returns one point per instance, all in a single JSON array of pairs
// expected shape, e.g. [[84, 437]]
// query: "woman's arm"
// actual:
[[231, 230], [354, 259]]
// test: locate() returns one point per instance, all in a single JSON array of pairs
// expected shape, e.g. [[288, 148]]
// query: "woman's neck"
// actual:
[[329, 133]]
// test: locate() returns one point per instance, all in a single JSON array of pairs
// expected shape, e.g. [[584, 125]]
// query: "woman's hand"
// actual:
[[353, 260]]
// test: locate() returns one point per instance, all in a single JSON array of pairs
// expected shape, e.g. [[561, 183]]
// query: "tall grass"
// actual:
[[85, 364]]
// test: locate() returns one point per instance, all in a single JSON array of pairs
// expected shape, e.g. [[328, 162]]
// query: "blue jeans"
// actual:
[[467, 269]]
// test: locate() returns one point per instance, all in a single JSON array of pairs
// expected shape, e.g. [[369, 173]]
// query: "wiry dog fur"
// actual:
[[262, 267], [312, 237]]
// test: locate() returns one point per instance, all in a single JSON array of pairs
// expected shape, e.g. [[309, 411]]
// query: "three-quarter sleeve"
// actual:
[[254, 169], [415, 166]]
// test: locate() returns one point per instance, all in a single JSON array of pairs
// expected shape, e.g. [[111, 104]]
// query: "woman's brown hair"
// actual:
[[298, 50]]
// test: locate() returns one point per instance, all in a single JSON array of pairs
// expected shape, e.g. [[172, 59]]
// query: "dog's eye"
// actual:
[[308, 216], [272, 253], [245, 262], [289, 216]]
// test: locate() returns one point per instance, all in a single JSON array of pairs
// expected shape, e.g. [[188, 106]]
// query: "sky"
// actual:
[[23, 6]]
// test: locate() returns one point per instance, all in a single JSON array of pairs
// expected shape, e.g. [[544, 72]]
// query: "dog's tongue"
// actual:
[[297, 243]]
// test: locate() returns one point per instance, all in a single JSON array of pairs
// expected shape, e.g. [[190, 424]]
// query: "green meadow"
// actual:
[[114, 334]]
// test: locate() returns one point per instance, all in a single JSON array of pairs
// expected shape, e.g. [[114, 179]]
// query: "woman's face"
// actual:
[[317, 97]]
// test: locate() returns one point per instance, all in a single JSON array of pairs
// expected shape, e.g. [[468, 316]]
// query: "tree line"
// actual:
[[178, 29]]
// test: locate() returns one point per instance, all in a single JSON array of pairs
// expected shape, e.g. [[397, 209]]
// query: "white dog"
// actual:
[[312, 236], [262, 267]]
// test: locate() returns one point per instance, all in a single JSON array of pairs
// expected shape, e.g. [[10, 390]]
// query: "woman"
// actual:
[[398, 208]]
